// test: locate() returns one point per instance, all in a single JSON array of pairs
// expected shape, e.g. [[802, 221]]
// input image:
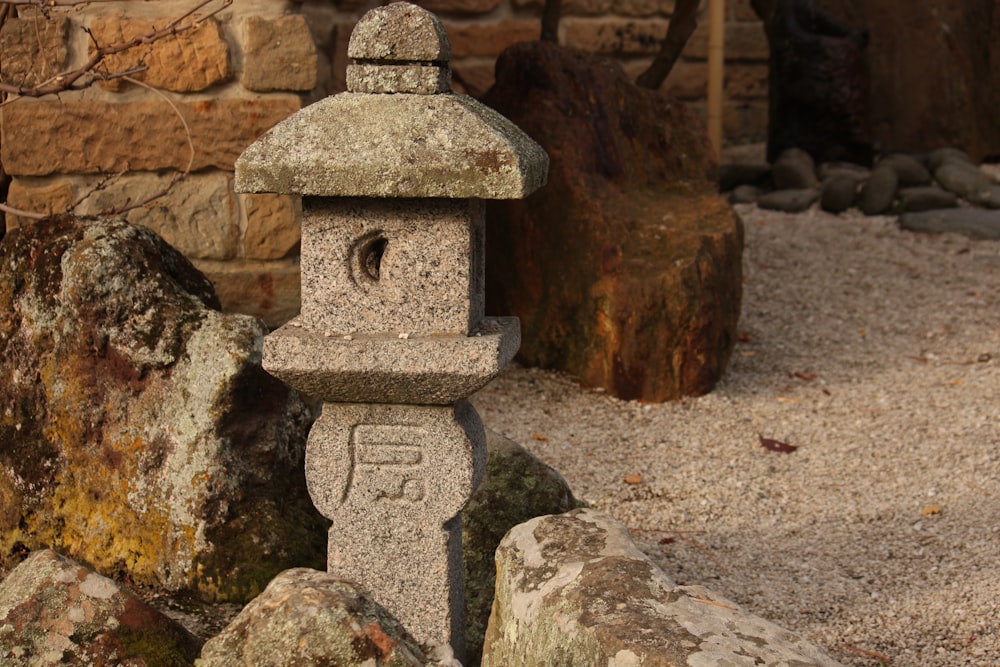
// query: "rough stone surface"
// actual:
[[139, 433], [51, 198], [268, 290], [626, 269], [789, 201], [357, 144], [56, 612], [517, 487], [971, 222], [422, 370], [879, 191], [144, 135], [184, 62], [389, 266], [33, 48], [574, 589], [197, 216], [400, 32], [926, 198], [273, 226], [306, 617], [279, 54], [393, 479]]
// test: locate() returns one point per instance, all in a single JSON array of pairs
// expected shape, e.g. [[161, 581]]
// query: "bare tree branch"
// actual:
[[550, 20], [85, 75], [682, 26]]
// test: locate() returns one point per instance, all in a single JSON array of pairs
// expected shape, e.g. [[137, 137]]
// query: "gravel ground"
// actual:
[[876, 353]]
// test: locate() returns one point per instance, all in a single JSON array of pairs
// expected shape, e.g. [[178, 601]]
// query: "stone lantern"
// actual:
[[392, 336]]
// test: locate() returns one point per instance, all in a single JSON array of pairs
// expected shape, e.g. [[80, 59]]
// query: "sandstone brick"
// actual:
[[32, 50], [188, 61], [268, 290], [86, 136], [615, 36], [197, 215], [279, 54], [472, 76], [643, 7], [273, 226], [745, 40], [49, 196], [488, 39], [460, 6]]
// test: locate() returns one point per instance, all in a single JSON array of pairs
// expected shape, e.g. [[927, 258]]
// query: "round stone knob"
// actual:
[[399, 48]]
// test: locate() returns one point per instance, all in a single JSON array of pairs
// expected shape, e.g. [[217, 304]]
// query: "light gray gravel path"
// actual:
[[874, 351]]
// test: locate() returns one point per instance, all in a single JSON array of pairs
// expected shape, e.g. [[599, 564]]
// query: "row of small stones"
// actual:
[[898, 183]]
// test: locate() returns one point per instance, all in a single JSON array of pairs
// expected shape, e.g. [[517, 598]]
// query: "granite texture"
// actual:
[[425, 370], [393, 479], [392, 266]]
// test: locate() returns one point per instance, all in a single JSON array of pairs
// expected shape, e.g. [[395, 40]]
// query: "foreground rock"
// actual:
[[138, 431], [517, 487], [307, 617], [626, 268], [56, 612], [575, 590]]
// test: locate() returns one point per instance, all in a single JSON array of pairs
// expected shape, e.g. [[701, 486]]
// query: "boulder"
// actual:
[[625, 269], [971, 222], [926, 198], [517, 487], [54, 611], [962, 178], [736, 174], [744, 194], [909, 170], [794, 170], [308, 617], [987, 196], [939, 156], [574, 589], [139, 433]]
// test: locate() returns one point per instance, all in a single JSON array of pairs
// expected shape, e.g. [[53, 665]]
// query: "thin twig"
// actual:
[[22, 213]]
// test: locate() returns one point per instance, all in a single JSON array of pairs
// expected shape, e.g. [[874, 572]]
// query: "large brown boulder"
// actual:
[[935, 72], [138, 432], [625, 269]]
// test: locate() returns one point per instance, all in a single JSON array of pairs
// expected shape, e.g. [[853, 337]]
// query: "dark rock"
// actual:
[[830, 169], [745, 194], [987, 196], [971, 222], [139, 433], [939, 156], [961, 178], [574, 589], [839, 192], [517, 487], [818, 85], [789, 201], [926, 198], [794, 170], [933, 71], [731, 176], [625, 269], [307, 617], [56, 612], [908, 169], [879, 191]]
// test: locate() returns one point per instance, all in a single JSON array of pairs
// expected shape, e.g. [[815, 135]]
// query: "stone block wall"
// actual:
[[207, 93]]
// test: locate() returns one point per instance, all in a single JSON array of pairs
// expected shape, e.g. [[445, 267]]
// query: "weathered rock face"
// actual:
[[56, 612], [625, 269], [935, 72], [517, 487], [306, 617], [575, 590], [138, 432]]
